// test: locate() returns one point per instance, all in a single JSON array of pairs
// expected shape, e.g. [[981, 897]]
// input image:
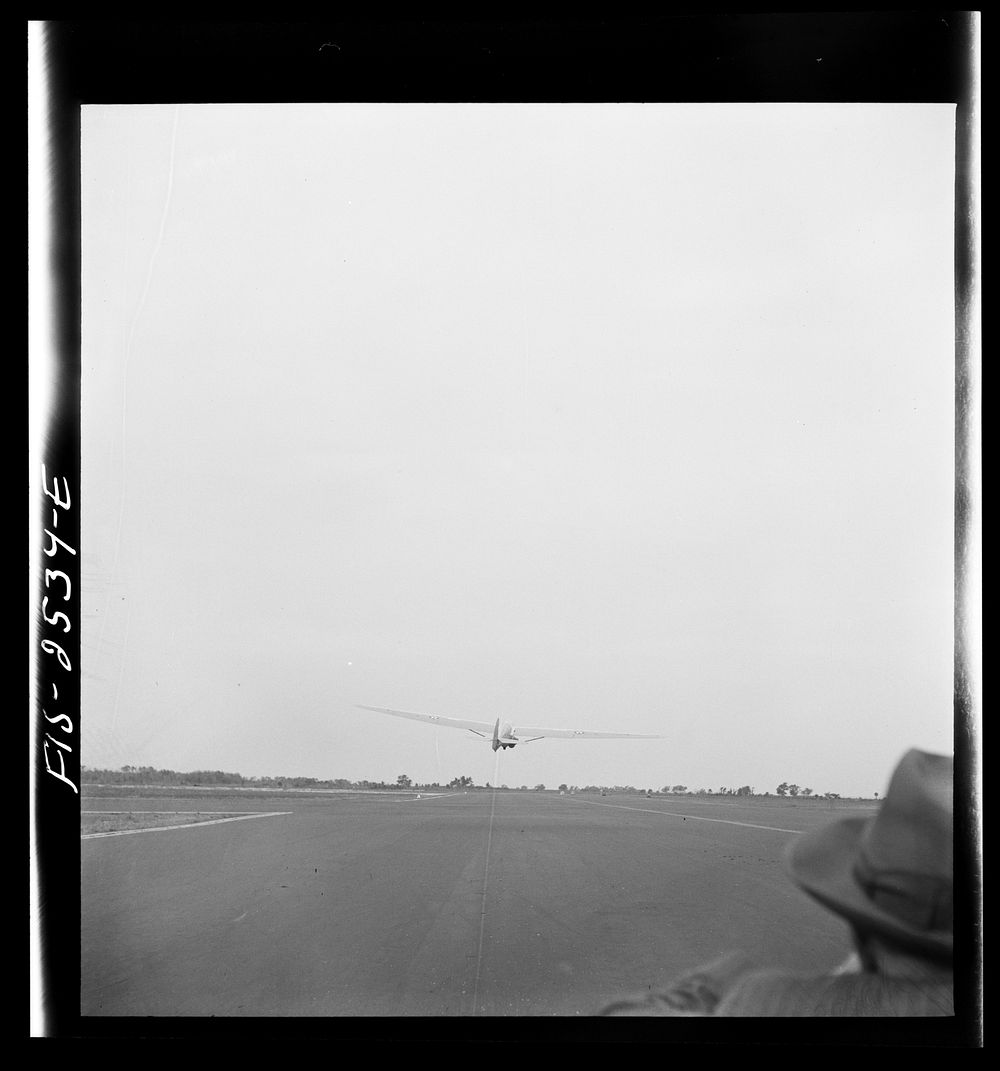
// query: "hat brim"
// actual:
[[822, 864]]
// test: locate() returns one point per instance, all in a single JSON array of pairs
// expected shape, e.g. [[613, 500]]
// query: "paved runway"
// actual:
[[477, 903]]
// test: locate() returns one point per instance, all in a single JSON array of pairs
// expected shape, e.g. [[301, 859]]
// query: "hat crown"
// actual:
[[912, 831]]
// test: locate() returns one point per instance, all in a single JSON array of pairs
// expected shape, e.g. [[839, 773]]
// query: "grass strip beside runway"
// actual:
[[117, 823]]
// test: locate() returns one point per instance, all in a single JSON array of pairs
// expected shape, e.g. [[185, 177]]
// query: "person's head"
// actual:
[[890, 877]]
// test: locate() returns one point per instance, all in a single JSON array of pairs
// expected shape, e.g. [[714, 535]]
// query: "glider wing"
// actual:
[[480, 728], [526, 732]]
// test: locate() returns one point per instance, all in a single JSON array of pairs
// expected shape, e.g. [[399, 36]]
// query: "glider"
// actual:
[[506, 735]]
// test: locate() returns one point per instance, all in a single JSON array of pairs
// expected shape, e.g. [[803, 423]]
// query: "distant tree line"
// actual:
[[785, 789], [149, 775]]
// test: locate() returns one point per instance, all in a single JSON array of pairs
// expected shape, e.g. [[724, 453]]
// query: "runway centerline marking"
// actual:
[[486, 877], [186, 825], [694, 817]]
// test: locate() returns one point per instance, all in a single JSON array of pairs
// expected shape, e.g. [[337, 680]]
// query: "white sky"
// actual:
[[610, 417]]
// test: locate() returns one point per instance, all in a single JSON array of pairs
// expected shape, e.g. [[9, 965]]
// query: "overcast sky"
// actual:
[[633, 418]]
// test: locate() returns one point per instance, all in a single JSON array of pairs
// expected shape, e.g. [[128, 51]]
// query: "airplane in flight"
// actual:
[[506, 735]]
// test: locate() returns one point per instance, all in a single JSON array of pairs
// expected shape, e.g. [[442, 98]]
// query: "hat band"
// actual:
[[923, 901]]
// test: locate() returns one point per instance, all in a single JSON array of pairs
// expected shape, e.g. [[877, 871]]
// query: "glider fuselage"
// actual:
[[503, 736]]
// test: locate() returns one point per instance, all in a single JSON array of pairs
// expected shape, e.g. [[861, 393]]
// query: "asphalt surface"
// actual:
[[471, 903]]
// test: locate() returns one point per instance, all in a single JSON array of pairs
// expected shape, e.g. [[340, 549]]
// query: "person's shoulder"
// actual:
[[697, 992], [777, 993]]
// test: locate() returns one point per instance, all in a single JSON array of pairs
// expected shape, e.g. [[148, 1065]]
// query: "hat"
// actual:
[[891, 875]]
